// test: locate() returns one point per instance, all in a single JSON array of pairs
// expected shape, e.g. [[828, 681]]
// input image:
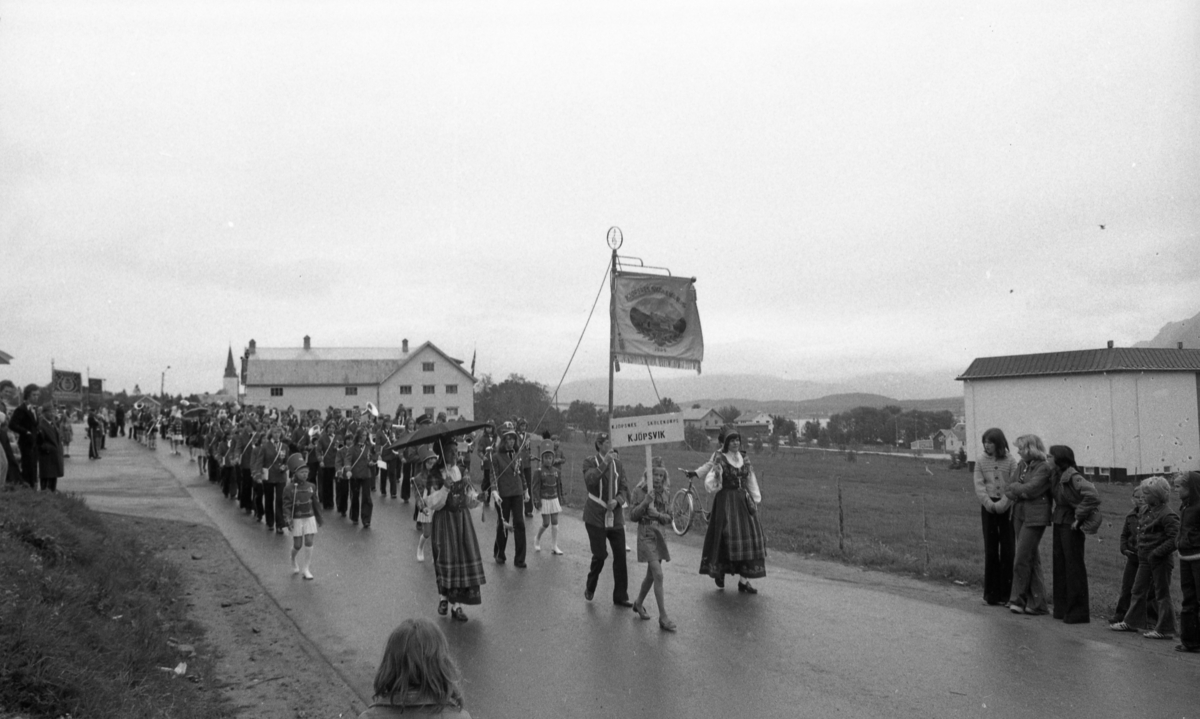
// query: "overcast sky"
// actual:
[[857, 186]]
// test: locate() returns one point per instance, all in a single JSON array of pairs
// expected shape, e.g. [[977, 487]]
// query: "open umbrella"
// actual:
[[196, 412], [429, 433]]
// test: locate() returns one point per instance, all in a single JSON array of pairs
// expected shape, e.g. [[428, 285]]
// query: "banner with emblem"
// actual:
[[656, 321], [95, 386], [67, 386]]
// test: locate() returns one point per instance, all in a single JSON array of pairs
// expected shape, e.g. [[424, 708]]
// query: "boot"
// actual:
[[307, 562], [554, 538]]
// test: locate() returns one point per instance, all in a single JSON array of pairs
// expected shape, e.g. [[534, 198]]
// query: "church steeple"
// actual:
[[230, 370]]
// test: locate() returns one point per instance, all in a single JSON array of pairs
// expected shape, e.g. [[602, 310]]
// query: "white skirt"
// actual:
[[303, 526], [551, 506]]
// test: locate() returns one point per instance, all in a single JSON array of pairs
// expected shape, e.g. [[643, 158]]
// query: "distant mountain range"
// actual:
[[1172, 333], [803, 398]]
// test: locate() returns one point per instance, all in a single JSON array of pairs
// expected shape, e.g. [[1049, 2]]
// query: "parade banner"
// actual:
[[656, 321], [95, 386], [67, 386], [647, 429]]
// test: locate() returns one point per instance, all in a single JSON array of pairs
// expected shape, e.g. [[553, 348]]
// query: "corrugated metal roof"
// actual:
[[323, 372], [1117, 359]]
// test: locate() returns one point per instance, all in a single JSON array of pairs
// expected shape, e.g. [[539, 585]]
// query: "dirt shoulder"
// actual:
[[251, 652]]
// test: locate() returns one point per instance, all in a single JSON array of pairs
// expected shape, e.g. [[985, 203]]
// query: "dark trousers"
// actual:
[[1158, 575], [93, 445], [214, 470], [48, 484], [1123, 601], [229, 481], [388, 480], [29, 464], [598, 538], [360, 500], [997, 556], [245, 493], [1028, 587], [272, 503], [341, 491], [256, 499], [325, 487], [510, 510], [406, 471], [527, 477], [1070, 576], [1189, 614]]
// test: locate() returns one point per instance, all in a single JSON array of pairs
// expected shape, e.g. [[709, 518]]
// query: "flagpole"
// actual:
[[615, 240]]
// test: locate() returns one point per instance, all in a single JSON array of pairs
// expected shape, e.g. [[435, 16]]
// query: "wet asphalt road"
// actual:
[[807, 646]]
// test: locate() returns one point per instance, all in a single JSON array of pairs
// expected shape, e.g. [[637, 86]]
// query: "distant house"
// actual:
[[707, 420], [147, 402], [950, 440], [1126, 412], [757, 424], [425, 380]]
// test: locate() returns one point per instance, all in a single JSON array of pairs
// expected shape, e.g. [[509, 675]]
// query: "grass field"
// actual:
[[901, 514]]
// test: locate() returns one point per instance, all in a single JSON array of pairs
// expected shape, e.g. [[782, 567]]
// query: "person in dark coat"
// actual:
[[11, 471], [1158, 530], [1076, 502], [50, 451], [1187, 484], [604, 518], [24, 423], [1128, 548]]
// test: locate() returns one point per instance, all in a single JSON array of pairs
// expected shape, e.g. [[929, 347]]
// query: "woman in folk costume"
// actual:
[[734, 542], [651, 510], [422, 488], [456, 559]]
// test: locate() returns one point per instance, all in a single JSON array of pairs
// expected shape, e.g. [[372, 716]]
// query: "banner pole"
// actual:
[[612, 332]]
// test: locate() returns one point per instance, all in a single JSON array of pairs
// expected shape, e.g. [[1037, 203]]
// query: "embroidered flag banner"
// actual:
[[95, 386], [656, 321], [67, 385]]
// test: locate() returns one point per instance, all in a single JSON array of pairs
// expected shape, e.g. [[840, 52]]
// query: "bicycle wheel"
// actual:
[[681, 512]]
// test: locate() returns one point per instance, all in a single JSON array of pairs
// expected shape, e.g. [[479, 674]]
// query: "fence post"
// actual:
[[925, 535], [841, 520]]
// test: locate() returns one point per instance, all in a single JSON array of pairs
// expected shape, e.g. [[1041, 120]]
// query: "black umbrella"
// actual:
[[196, 411], [428, 433]]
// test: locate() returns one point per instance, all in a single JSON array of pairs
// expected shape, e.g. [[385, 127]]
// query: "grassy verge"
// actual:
[[88, 618], [900, 514]]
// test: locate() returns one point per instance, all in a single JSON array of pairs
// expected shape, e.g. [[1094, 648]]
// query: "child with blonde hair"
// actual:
[[1158, 528]]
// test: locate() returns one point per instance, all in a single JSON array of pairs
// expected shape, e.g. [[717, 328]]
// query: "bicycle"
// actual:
[[686, 505]]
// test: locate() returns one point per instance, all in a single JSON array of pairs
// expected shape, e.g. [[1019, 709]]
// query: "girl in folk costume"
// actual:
[[651, 510], [422, 487], [176, 431], [547, 493], [456, 559], [734, 542], [303, 512]]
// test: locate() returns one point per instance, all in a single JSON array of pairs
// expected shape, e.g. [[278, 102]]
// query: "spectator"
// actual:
[[49, 449], [1129, 549], [1158, 529], [417, 675], [1188, 486], [24, 424], [1076, 504], [994, 471], [1031, 515]]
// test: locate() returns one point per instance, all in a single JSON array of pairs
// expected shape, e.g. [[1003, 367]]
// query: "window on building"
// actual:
[[452, 411], [352, 391], [277, 391], [406, 389], [451, 389], [429, 389], [431, 411], [426, 366]]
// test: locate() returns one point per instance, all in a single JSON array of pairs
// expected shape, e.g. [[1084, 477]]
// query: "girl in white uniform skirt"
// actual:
[[546, 491], [303, 511]]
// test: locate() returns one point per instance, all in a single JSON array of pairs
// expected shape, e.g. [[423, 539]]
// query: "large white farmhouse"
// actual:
[[426, 380], [1126, 412]]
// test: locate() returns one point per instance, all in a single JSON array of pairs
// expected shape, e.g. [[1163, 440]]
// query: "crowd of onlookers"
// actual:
[[35, 437], [1043, 488]]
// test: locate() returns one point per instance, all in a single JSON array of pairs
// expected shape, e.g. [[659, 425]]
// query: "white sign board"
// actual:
[[650, 429]]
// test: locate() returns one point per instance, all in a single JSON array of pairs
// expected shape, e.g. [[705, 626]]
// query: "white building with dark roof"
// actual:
[[425, 380], [1126, 412]]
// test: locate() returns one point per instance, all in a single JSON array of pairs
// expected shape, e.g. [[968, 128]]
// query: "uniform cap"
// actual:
[[295, 462]]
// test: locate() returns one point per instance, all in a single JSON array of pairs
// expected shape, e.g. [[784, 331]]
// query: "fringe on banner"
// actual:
[[658, 361]]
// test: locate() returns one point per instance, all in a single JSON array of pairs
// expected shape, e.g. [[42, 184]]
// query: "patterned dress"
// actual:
[[456, 559], [734, 542]]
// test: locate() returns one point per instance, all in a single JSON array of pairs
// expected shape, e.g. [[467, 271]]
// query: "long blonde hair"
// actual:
[[1033, 446], [417, 660]]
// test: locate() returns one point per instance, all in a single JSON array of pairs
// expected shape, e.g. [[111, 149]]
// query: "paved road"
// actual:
[[833, 643]]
